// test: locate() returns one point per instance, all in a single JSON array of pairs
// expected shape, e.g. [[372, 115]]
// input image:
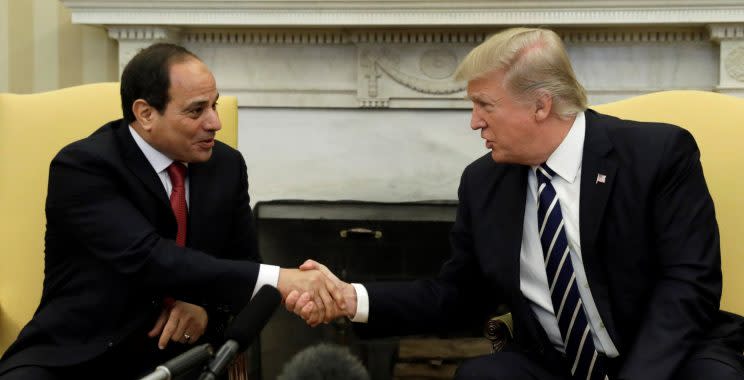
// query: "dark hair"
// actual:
[[147, 76]]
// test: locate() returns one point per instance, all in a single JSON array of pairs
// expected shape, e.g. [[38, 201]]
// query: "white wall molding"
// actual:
[[734, 63], [329, 37], [133, 38], [723, 32], [731, 57], [634, 35], [304, 36], [266, 37], [404, 13], [283, 47], [354, 99], [150, 33], [405, 68], [399, 76]]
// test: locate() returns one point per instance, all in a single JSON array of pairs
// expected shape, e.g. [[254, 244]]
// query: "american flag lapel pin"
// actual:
[[601, 178]]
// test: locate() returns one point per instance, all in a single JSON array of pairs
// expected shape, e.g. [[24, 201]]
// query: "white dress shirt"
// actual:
[[267, 274], [566, 162]]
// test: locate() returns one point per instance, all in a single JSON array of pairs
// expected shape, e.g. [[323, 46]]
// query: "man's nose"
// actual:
[[212, 123], [476, 122]]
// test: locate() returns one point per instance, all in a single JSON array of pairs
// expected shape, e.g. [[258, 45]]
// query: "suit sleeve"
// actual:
[[243, 245], [688, 291], [449, 301], [86, 201], [243, 240]]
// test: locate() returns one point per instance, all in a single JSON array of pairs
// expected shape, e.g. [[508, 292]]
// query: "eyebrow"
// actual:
[[480, 97], [200, 103]]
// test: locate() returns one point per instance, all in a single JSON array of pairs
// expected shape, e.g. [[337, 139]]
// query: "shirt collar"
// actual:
[[157, 160], [566, 159]]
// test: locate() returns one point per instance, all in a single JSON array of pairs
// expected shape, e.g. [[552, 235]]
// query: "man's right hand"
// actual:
[[321, 294], [180, 322], [302, 304]]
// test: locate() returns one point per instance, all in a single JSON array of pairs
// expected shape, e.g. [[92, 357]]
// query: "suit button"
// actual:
[[110, 344]]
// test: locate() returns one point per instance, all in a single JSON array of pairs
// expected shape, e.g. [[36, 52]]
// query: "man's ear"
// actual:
[[144, 113], [543, 105]]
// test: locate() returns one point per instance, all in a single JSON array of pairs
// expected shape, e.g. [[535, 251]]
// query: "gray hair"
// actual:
[[534, 60], [324, 362]]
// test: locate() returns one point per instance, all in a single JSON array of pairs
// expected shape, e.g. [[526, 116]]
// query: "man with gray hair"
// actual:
[[598, 233]]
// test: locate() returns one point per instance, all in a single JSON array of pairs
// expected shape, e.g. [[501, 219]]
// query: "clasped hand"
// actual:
[[315, 294]]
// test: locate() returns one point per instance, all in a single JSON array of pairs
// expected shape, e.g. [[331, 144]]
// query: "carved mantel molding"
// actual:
[[387, 13], [307, 72], [731, 72], [402, 53]]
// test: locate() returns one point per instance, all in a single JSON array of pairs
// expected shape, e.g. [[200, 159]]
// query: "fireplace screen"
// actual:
[[359, 241]]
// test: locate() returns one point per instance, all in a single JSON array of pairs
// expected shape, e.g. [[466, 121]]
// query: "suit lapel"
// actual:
[[137, 163], [199, 183], [505, 216], [598, 174], [509, 220]]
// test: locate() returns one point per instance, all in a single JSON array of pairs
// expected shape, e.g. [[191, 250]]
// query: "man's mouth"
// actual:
[[207, 143]]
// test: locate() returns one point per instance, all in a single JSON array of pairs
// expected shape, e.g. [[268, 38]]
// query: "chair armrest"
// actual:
[[499, 330]]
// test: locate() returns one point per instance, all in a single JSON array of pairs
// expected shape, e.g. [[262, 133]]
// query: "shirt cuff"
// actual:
[[362, 311], [267, 275]]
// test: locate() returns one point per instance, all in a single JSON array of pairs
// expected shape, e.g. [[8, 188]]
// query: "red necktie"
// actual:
[[177, 173]]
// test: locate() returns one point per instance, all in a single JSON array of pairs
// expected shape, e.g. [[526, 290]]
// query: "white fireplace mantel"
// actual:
[[402, 53], [405, 13], [355, 99]]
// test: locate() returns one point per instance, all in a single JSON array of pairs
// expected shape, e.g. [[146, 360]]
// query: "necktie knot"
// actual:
[[177, 174], [544, 172]]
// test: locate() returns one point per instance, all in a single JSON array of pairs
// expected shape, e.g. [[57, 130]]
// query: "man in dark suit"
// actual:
[[599, 234], [149, 233]]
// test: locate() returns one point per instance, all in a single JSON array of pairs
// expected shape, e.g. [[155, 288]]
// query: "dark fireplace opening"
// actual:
[[360, 242]]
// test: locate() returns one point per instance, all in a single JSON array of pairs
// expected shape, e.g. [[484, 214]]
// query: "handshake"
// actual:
[[315, 294]]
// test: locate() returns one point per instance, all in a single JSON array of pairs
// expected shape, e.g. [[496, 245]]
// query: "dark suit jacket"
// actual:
[[111, 255], [649, 243]]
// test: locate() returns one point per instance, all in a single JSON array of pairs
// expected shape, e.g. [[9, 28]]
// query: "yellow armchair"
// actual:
[[717, 122], [33, 128]]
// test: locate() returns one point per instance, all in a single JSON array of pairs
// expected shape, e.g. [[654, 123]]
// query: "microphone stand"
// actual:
[[181, 363]]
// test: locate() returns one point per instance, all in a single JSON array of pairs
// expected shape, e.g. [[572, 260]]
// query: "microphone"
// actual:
[[325, 361], [243, 329], [181, 363]]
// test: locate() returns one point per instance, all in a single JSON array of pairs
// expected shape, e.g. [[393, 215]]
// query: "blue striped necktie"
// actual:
[[584, 360]]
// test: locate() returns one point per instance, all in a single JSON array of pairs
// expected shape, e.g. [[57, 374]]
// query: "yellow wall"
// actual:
[[41, 50]]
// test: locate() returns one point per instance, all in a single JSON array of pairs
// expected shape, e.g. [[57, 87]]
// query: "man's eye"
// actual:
[[486, 106]]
